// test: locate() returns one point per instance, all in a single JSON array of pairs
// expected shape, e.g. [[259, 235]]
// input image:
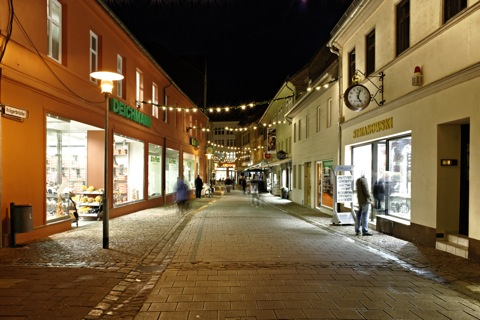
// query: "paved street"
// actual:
[[226, 259]]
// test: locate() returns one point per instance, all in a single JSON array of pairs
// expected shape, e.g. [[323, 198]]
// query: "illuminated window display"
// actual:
[[325, 183], [66, 160], [172, 159], [189, 169], [127, 170], [154, 170]]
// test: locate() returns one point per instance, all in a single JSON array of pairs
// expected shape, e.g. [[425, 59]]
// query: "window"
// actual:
[[54, 29], [370, 67], [294, 175], [329, 113], [294, 132], [452, 7], [403, 26], [319, 119], [154, 170], [93, 52], [154, 100], [119, 83], [307, 126], [299, 177], [299, 129], [351, 66], [138, 86], [128, 169]]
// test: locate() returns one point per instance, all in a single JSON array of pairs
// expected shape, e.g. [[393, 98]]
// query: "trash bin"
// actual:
[[21, 215]]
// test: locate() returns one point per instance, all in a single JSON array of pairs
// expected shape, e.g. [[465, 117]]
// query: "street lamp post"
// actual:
[[106, 83]]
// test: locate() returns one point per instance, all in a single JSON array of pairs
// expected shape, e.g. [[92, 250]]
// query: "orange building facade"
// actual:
[[53, 118]]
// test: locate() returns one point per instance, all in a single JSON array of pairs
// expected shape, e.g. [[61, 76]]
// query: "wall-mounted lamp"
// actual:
[[448, 162], [417, 78]]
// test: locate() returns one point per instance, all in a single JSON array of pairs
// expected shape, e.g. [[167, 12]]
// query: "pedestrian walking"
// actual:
[[244, 185], [254, 194], [181, 194], [364, 200], [198, 187]]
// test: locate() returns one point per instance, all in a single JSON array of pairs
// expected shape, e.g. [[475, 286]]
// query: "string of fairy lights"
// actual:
[[212, 109]]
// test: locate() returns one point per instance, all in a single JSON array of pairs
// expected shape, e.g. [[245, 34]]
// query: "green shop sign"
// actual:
[[194, 142], [130, 113]]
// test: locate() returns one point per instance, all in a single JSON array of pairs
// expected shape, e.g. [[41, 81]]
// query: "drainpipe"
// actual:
[[336, 51], [164, 150]]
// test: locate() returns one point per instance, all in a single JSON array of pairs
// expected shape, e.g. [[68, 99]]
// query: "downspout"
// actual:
[[336, 51], [164, 150]]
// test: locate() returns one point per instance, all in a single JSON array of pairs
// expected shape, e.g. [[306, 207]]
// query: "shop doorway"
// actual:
[[464, 178], [307, 185]]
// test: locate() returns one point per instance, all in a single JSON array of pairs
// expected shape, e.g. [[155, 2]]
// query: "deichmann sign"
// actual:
[[130, 113], [378, 126]]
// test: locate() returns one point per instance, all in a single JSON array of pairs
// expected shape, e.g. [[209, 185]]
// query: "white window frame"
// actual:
[[154, 100], [319, 119], [54, 22], [329, 113], [138, 87], [93, 53], [119, 83]]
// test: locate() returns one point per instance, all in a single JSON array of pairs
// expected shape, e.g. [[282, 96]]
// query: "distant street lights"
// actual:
[[106, 83]]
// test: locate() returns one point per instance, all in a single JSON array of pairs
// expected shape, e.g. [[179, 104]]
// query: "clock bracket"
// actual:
[[378, 100]]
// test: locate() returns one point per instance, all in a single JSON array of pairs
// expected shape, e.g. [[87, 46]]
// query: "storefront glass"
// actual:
[[171, 169], [399, 177], [154, 170], [66, 160], [325, 185], [387, 167], [189, 169], [128, 170]]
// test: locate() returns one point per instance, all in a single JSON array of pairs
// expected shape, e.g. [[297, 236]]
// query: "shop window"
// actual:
[[387, 167], [154, 170], [54, 29], [172, 169], [128, 170], [398, 177], [68, 168], [189, 169], [325, 183]]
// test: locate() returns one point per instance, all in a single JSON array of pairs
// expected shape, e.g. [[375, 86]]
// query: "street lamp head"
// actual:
[[107, 79]]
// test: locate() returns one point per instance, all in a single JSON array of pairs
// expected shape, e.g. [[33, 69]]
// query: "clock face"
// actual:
[[357, 97]]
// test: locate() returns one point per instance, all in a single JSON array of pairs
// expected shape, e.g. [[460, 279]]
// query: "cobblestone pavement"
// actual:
[[229, 260]]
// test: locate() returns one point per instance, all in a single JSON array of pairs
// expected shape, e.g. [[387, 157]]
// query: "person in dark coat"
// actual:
[[364, 200], [198, 187]]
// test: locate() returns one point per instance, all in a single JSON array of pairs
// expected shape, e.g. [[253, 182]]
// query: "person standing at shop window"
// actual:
[[198, 187], [364, 200]]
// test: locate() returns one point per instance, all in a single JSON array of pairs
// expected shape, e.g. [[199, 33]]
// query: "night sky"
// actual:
[[250, 47]]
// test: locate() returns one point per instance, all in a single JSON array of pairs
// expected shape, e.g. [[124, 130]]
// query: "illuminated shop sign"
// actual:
[[130, 113], [378, 126]]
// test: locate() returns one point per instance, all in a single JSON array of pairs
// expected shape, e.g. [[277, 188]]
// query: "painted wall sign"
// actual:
[[378, 126], [130, 113]]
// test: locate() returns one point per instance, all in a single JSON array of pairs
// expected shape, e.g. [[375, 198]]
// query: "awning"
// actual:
[[276, 163]]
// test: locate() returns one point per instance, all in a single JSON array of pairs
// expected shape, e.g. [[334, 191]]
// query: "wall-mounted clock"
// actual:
[[357, 97]]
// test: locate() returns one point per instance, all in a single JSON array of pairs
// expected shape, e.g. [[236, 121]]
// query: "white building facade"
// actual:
[[420, 61]]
